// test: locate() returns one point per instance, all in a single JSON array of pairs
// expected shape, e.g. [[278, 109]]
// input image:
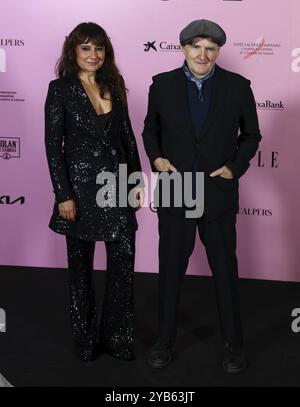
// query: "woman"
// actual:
[[87, 132]]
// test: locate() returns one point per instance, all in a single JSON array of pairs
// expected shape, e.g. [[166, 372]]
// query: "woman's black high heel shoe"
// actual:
[[123, 354], [85, 353]]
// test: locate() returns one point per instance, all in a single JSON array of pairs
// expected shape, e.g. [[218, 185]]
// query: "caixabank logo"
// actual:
[[270, 105], [4, 43], [9, 147], [161, 46]]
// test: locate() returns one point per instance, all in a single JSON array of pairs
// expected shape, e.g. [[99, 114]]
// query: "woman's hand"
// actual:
[[67, 209]]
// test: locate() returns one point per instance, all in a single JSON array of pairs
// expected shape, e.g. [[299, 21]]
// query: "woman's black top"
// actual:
[[80, 145]]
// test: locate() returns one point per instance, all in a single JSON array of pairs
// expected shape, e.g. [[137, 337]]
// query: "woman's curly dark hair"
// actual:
[[108, 76]]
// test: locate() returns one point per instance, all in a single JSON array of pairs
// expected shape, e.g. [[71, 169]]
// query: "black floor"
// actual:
[[36, 349]]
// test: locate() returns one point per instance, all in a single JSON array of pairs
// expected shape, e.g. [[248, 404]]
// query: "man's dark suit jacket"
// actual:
[[230, 136]]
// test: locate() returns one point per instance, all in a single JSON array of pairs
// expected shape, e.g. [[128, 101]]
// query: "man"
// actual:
[[201, 118]]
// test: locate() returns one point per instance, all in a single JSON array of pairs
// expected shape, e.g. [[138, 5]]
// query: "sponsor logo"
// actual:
[[270, 160], [255, 212], [10, 96], [8, 200], [162, 46], [261, 47], [9, 147], [269, 105], [6, 42], [150, 45]]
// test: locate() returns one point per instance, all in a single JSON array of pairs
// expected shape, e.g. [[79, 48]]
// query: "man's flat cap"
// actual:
[[205, 28]]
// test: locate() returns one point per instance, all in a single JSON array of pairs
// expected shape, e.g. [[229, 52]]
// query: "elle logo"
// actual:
[[2, 60]]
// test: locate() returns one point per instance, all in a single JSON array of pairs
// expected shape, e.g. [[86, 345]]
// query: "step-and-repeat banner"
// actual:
[[263, 44]]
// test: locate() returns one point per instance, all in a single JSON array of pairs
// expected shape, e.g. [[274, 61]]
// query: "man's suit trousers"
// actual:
[[176, 244]]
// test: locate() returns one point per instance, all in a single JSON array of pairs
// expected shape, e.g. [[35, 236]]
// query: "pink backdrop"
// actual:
[[263, 45]]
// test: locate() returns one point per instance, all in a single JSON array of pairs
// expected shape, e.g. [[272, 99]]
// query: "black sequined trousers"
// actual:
[[115, 330]]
